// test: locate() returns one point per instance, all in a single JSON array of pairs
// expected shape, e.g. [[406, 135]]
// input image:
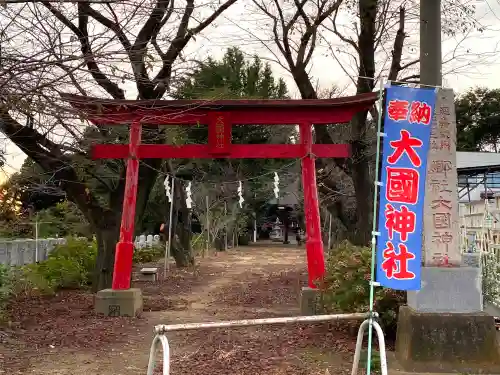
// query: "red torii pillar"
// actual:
[[220, 116]]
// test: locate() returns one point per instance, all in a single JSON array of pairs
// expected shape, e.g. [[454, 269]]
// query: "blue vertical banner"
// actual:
[[407, 132]]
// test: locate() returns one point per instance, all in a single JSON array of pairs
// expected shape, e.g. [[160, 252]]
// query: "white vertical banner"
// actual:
[[170, 195], [189, 200], [276, 185], [240, 194], [168, 191]]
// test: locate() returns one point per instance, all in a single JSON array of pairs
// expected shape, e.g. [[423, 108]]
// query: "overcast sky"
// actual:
[[476, 62]]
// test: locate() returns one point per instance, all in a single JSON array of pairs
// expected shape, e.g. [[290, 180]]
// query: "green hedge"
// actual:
[[346, 287]]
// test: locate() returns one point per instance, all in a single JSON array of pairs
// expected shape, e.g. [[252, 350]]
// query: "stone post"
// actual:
[[444, 328]]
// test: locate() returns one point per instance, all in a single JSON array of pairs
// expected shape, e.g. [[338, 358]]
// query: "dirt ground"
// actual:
[[61, 334]]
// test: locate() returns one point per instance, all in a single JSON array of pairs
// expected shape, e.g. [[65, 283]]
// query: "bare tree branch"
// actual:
[[183, 36], [165, 19], [397, 50], [81, 32]]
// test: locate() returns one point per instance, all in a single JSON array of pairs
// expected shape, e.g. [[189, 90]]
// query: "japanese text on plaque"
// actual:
[[220, 132], [441, 209]]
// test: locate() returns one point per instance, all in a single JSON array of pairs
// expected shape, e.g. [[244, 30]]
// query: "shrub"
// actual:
[[491, 277], [5, 288], [69, 265], [79, 250], [148, 254], [63, 273], [346, 286], [28, 281], [244, 238], [199, 243]]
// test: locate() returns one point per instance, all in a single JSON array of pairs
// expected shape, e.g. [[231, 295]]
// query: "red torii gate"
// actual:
[[220, 115]]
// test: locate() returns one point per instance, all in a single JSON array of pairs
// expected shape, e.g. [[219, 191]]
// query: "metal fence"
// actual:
[[161, 338]]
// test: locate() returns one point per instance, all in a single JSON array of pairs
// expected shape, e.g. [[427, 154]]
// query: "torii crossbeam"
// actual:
[[220, 116]]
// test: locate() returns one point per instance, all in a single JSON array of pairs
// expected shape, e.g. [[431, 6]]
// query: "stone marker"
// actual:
[[309, 301], [441, 219], [149, 240], [142, 241], [444, 328]]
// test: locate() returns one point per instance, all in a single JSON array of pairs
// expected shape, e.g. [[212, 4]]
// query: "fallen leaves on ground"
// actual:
[[278, 289], [67, 321], [255, 350]]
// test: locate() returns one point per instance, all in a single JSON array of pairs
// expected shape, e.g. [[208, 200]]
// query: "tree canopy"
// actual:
[[232, 77], [478, 120]]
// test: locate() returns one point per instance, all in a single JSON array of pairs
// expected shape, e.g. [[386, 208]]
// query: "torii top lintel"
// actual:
[[220, 116], [242, 112]]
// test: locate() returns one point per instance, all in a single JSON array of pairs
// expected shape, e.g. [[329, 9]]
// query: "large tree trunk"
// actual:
[[183, 253], [360, 172], [363, 190], [106, 243], [106, 222]]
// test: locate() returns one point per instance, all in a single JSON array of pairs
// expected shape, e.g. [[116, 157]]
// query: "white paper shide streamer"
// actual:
[[240, 193], [276, 185], [189, 201], [168, 191]]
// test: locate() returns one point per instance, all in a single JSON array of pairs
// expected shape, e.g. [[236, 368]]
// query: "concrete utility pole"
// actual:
[[430, 43]]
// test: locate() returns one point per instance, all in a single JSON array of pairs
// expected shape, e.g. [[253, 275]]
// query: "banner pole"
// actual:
[[374, 225], [207, 246], [329, 232], [225, 226]]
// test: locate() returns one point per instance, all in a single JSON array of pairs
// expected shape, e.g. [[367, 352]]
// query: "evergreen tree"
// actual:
[[478, 120], [232, 77]]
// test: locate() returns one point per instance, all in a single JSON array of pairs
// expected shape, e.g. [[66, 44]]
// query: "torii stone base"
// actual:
[[111, 302]]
